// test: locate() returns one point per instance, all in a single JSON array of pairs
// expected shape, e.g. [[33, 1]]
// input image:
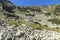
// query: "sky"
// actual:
[[34, 2]]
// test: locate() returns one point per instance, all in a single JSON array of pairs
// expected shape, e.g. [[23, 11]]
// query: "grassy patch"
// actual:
[[55, 21], [20, 22], [11, 22], [40, 27], [52, 29], [47, 14], [36, 26]]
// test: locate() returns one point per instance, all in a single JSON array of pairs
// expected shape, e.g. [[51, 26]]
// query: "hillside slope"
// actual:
[[29, 23]]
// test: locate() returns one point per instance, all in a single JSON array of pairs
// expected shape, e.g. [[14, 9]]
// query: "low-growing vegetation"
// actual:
[[55, 21], [42, 27]]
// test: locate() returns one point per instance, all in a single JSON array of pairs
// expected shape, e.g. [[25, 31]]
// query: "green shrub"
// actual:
[[12, 22]]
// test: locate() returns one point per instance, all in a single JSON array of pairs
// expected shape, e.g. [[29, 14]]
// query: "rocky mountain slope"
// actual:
[[29, 23]]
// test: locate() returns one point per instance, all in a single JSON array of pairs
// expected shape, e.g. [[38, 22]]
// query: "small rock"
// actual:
[[19, 33], [23, 25]]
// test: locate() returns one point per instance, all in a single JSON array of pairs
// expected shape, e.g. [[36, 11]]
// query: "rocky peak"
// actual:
[[7, 5]]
